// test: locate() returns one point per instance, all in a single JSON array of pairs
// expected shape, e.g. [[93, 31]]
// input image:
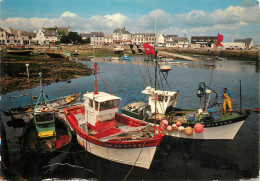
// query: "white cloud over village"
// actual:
[[231, 21]]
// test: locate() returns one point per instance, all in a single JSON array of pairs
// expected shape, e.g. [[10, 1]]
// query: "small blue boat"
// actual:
[[126, 57]]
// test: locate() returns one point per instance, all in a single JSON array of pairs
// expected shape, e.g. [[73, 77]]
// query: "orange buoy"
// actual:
[[169, 128], [188, 131], [181, 129], [174, 127], [164, 123], [198, 128], [178, 123]]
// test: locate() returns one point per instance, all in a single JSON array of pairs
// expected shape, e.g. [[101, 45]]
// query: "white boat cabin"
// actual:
[[100, 110], [164, 99]]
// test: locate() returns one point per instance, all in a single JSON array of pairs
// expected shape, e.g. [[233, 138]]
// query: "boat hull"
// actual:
[[20, 52], [141, 151], [227, 132], [129, 156], [222, 129]]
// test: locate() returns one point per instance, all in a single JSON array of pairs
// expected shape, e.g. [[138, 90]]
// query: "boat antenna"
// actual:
[[156, 62], [95, 86], [27, 69], [96, 71]]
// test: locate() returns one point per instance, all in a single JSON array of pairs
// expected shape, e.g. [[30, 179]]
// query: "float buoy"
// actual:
[[256, 109], [188, 131], [181, 129], [45, 109], [164, 123], [198, 128], [174, 127], [169, 128], [178, 123]]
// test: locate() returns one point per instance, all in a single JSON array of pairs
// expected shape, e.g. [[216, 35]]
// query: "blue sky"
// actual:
[[233, 18]]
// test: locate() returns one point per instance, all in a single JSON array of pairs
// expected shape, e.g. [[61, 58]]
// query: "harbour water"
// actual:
[[176, 159]]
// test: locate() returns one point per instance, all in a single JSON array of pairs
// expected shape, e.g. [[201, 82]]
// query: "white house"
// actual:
[[108, 38], [248, 42], [120, 35], [161, 38], [3, 36], [45, 36], [97, 38], [138, 38]]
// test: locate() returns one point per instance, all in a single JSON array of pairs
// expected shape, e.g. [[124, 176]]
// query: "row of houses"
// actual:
[[120, 36], [42, 36]]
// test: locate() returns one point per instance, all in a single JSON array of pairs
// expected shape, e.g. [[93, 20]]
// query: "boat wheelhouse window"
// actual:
[[44, 117], [166, 98], [109, 104], [96, 105], [172, 98], [160, 98], [90, 103]]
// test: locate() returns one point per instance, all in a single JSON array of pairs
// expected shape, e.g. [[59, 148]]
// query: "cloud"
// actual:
[[231, 20]]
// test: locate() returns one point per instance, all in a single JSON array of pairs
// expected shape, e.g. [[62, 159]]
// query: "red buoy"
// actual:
[[178, 123], [164, 123], [198, 128]]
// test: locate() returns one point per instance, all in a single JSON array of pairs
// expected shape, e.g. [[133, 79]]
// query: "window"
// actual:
[[109, 104], [96, 105], [90, 103]]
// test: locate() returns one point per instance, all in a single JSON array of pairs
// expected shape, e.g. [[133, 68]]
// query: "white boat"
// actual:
[[110, 135]]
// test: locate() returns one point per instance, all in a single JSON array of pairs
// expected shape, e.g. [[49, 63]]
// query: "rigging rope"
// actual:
[[141, 74]]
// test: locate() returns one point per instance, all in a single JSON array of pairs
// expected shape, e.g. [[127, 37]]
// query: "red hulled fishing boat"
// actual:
[[110, 135]]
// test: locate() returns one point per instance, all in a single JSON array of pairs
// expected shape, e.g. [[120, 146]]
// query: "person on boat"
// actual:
[[228, 99]]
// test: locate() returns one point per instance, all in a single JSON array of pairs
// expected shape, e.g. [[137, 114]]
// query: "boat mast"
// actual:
[[95, 86], [156, 63], [27, 69]]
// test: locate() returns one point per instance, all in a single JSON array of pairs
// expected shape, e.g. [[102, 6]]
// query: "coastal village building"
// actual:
[[15, 37], [182, 42], [170, 40], [46, 36], [97, 38], [138, 38], [121, 36], [203, 41], [3, 36], [108, 39], [161, 38], [247, 41], [150, 38]]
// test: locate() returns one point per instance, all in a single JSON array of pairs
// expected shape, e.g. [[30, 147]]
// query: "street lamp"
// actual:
[[27, 69]]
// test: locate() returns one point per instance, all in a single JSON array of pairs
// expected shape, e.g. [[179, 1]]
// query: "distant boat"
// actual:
[[118, 50], [126, 57], [20, 50], [57, 52]]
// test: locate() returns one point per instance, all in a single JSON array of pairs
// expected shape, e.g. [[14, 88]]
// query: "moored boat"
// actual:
[[126, 57], [207, 123], [25, 112], [19, 50], [45, 138], [57, 52], [110, 135]]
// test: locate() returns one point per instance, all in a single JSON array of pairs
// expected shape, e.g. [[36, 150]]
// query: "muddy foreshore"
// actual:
[[14, 76]]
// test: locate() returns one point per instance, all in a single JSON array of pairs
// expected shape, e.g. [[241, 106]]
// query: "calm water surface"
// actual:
[[175, 159]]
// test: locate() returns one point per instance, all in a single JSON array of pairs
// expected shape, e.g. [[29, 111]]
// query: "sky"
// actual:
[[232, 18]]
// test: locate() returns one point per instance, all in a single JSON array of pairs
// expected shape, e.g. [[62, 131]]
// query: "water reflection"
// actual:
[[176, 159]]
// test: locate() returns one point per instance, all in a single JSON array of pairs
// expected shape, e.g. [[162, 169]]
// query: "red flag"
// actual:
[[146, 48], [152, 50], [220, 39]]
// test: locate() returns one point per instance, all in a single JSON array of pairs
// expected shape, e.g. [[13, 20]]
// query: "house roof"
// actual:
[[83, 35], [182, 39], [65, 29], [247, 41], [97, 34], [50, 33], [121, 31], [170, 36]]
